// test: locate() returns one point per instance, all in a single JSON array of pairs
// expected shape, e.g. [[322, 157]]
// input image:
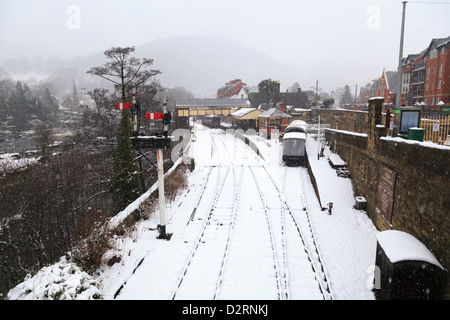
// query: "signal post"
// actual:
[[158, 141]]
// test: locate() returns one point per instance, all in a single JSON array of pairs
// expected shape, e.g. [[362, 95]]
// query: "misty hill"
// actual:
[[202, 64]]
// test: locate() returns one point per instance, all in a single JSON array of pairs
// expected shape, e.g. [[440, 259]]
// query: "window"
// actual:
[[405, 82], [428, 73], [441, 66], [439, 84], [433, 54]]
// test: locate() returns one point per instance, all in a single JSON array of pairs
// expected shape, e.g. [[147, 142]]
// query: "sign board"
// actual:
[[385, 196], [387, 179], [384, 204], [150, 142], [409, 119], [435, 127], [123, 106]]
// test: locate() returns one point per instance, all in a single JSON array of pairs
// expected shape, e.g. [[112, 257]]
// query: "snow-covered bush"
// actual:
[[89, 251], [61, 281], [9, 163]]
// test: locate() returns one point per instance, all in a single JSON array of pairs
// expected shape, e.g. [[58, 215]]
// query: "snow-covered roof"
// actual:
[[401, 246], [242, 112], [301, 110], [274, 113], [294, 135], [298, 123]]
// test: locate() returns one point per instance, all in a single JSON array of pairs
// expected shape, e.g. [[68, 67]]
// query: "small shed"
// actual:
[[407, 269]]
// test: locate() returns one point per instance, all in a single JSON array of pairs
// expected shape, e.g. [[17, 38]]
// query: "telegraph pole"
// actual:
[[400, 58]]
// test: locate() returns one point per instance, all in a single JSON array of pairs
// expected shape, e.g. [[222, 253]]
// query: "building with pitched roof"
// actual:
[[246, 118], [387, 87], [231, 88], [272, 119]]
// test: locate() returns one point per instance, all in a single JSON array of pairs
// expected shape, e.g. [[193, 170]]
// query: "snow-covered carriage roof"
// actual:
[[294, 135], [401, 246]]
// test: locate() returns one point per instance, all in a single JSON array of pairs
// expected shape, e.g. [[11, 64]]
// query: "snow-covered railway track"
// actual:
[[298, 267], [298, 210], [251, 238], [210, 246], [297, 273]]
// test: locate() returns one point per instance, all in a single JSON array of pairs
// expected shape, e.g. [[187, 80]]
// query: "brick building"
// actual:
[[387, 87], [426, 76], [413, 79], [230, 89], [425, 79]]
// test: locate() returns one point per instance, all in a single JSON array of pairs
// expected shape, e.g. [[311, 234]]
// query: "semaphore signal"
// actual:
[[123, 106], [154, 116], [159, 142]]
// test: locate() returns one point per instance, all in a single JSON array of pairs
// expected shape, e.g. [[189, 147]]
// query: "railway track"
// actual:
[[280, 261], [298, 211]]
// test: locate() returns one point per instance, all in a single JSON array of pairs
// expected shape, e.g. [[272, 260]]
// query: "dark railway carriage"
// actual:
[[211, 121], [294, 148]]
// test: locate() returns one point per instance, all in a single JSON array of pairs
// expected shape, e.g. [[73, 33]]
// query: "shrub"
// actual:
[[89, 251], [60, 281]]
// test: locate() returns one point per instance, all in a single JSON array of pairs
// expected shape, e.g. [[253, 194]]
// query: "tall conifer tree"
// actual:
[[128, 74], [125, 183]]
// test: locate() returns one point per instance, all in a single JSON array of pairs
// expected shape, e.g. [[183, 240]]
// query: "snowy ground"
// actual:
[[153, 269], [246, 228]]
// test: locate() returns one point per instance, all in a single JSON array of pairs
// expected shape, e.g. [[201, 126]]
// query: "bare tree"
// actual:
[[127, 73], [44, 136], [106, 118]]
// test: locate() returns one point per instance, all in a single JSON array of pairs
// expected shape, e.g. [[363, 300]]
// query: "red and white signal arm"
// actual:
[[154, 116], [123, 106]]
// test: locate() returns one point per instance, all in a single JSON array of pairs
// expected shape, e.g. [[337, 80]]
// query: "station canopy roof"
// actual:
[[237, 103]]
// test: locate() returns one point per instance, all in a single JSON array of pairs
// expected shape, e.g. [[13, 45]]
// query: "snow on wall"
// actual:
[[421, 143]]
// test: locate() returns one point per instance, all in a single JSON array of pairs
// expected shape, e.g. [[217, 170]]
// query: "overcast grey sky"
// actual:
[[352, 39]]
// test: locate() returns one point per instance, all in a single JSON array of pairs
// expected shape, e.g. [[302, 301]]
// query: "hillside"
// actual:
[[204, 63], [201, 64]]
